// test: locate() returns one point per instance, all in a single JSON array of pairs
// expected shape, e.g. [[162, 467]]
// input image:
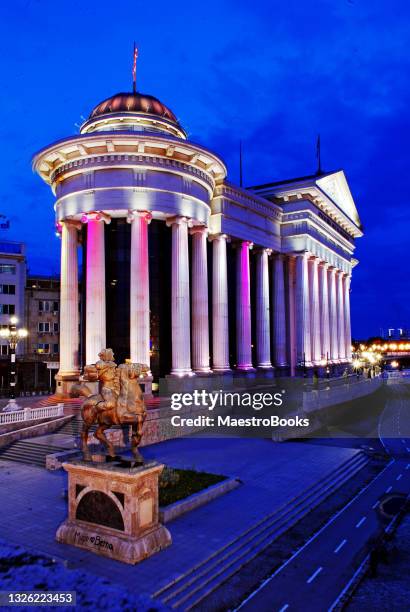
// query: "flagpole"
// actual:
[[319, 163], [134, 69], [240, 164]]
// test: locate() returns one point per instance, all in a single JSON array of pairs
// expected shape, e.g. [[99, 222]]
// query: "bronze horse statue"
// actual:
[[119, 401]]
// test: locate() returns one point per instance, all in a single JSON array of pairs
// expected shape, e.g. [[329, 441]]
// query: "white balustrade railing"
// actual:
[[31, 414]]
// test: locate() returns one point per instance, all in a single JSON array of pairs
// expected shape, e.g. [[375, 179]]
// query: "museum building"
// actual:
[[185, 271]]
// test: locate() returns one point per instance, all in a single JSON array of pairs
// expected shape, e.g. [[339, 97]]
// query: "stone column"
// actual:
[[262, 309], [303, 334], [139, 288], [324, 311], [180, 315], [348, 332], [291, 313], [334, 346], [314, 309], [69, 319], [95, 325], [243, 308], [200, 319], [341, 330], [279, 311], [220, 327]]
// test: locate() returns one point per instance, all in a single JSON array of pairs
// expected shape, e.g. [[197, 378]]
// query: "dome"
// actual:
[[133, 103]]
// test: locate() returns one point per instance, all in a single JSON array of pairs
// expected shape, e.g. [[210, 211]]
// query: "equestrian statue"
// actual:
[[119, 401]]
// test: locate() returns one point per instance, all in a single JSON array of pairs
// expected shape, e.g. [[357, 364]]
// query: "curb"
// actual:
[[171, 512]]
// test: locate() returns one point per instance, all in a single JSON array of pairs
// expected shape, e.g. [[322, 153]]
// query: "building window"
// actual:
[[55, 328], [43, 347], [44, 327], [7, 309], [7, 268], [8, 289], [55, 348], [48, 306], [4, 349]]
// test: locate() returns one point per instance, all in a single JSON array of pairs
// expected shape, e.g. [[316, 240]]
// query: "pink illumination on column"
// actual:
[[139, 288], [69, 334], [200, 318], [324, 310], [341, 330], [292, 337], [314, 309], [262, 309], [181, 334], [303, 335], [334, 346], [243, 308], [279, 311], [95, 289], [220, 327]]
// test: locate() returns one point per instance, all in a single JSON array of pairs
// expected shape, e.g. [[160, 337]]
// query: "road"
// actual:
[[317, 573]]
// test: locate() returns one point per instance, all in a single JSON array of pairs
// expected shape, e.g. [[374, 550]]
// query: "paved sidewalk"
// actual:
[[33, 506]]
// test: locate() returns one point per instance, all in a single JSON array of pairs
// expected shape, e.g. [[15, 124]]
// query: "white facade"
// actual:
[[132, 160]]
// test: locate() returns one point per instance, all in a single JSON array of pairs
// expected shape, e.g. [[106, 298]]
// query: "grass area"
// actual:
[[175, 484]]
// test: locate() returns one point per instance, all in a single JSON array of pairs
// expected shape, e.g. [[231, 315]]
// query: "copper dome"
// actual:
[[133, 103]]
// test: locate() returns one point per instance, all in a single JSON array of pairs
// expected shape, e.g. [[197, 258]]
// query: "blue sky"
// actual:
[[273, 74]]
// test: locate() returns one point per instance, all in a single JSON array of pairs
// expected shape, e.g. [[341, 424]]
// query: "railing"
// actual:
[[31, 414]]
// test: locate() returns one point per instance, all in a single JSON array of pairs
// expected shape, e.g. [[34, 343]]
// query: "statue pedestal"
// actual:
[[113, 510]]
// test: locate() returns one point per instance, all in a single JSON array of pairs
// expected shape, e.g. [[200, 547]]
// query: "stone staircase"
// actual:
[[189, 590], [30, 453]]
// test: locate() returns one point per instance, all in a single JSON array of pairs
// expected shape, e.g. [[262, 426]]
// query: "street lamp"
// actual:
[[12, 335]]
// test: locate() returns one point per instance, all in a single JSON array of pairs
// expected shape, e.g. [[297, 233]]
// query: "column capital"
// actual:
[[178, 220], [259, 250], [141, 214], [69, 223], [240, 243], [212, 237], [324, 264], [199, 229], [96, 216]]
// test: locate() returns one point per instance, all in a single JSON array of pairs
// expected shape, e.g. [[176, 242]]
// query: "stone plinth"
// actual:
[[113, 510]]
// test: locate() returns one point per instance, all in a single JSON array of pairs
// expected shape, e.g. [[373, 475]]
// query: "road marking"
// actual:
[[375, 505], [313, 576], [342, 543], [314, 536], [283, 608], [388, 489], [362, 520], [399, 476]]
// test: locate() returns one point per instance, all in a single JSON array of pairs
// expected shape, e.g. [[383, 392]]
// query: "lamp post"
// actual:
[[12, 335]]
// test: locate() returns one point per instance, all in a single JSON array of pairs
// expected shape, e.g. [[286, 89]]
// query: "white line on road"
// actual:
[[342, 543], [313, 576], [389, 489], [362, 520], [399, 476], [315, 536], [375, 505], [283, 608]]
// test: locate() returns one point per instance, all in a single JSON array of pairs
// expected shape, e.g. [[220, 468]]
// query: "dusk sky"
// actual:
[[274, 74]]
